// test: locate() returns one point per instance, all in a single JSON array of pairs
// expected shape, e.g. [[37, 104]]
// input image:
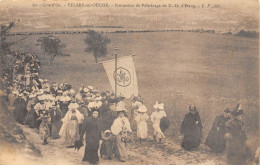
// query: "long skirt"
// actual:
[[157, 131], [142, 130], [216, 140], [44, 130], [71, 133], [191, 141], [106, 148], [20, 115], [55, 128], [91, 150], [120, 150], [236, 152], [31, 119]]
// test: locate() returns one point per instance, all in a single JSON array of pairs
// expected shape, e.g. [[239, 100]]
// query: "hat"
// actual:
[[237, 113], [161, 106], [45, 80], [15, 92], [20, 95], [41, 80], [237, 110], [85, 90], [99, 104], [156, 105], [32, 96], [98, 98], [59, 91], [90, 87], [107, 135], [72, 91], [142, 108], [73, 106], [227, 110], [120, 106], [192, 108], [92, 105]]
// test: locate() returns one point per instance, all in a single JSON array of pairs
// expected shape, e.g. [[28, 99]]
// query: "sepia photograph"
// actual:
[[129, 82]]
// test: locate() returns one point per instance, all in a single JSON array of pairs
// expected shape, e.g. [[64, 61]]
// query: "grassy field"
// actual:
[[210, 71]]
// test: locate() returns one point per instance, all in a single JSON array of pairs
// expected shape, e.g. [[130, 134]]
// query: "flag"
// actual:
[[124, 76]]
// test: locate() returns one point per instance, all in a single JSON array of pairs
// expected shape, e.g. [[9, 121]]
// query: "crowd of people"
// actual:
[[94, 116]]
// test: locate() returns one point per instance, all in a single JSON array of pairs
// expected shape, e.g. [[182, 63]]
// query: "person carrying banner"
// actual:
[[120, 128]]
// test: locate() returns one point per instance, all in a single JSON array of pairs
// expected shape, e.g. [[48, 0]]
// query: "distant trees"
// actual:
[[251, 34], [96, 44], [51, 46]]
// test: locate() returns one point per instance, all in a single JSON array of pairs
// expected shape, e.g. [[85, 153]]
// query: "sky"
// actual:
[[232, 15]]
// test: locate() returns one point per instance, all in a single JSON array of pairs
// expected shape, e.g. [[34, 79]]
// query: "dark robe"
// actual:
[[20, 111], [237, 150], [92, 128], [191, 128], [64, 107], [216, 138], [56, 116], [31, 117]]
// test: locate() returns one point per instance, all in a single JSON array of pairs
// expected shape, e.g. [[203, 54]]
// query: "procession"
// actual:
[[100, 121]]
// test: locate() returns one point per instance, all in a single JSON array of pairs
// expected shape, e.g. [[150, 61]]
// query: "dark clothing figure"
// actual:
[[107, 145], [164, 124], [56, 116], [91, 126], [31, 119], [192, 130], [20, 111], [216, 138], [236, 148], [64, 107], [108, 119]]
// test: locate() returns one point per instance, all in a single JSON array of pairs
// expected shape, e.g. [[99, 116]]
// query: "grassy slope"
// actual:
[[175, 68]]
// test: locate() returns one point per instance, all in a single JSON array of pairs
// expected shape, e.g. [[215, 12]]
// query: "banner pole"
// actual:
[[116, 49]]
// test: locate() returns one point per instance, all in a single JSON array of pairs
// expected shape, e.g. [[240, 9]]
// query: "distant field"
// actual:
[[172, 67]]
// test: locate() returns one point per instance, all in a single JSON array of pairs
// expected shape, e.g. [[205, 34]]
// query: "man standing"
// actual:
[[216, 138]]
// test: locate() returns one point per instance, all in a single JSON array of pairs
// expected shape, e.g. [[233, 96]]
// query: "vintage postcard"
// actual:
[[153, 82]]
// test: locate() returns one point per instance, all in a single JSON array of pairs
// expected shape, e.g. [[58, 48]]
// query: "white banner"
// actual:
[[124, 76]]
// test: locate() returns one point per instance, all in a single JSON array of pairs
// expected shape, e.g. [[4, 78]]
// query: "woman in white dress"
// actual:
[[141, 120], [120, 128], [156, 117], [70, 126]]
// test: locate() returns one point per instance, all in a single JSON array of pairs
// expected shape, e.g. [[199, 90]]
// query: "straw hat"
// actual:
[[142, 109], [120, 106]]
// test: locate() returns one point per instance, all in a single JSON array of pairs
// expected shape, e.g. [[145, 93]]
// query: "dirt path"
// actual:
[[146, 152]]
